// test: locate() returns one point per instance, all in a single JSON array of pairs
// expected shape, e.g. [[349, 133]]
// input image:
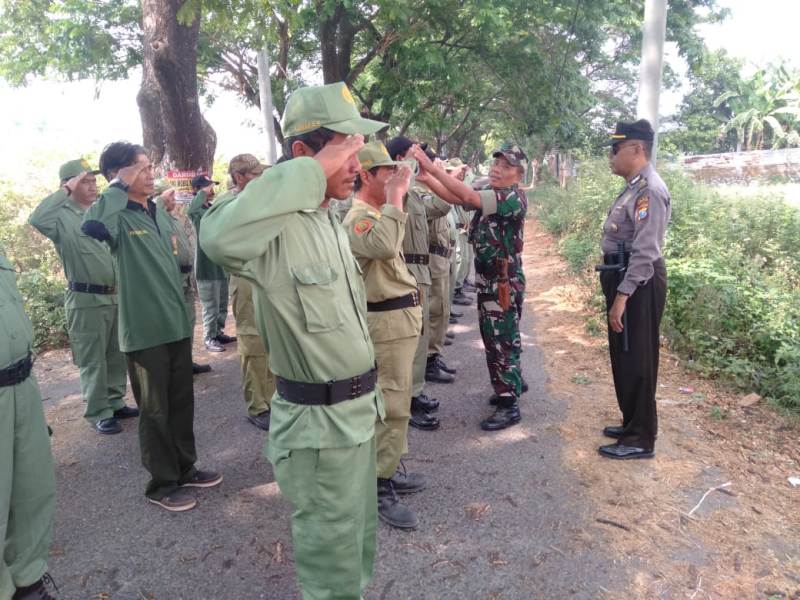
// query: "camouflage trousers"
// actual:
[[501, 340]]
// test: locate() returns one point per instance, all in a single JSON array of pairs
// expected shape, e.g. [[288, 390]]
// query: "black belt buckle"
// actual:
[[356, 387]]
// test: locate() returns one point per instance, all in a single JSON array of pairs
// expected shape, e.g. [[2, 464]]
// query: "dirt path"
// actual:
[[743, 542], [511, 515]]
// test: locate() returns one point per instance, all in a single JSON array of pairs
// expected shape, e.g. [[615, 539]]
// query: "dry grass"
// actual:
[[741, 542]]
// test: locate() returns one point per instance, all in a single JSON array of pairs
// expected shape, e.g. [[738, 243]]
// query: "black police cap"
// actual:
[[638, 130]]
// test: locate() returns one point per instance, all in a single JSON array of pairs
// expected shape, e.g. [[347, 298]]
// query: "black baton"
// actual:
[[620, 267]]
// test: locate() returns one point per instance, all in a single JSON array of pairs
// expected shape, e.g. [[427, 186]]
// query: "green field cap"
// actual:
[[453, 164], [375, 154], [331, 106], [246, 163], [513, 154], [74, 168]]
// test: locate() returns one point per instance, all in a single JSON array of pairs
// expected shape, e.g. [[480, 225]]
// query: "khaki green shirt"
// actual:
[[244, 310], [16, 331], [152, 309], [419, 203], [205, 268], [309, 298], [376, 239], [85, 259]]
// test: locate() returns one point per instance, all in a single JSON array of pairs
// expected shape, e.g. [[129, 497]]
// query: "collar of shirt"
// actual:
[[150, 209]]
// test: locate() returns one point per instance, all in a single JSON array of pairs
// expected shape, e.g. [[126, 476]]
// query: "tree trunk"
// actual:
[[170, 81]]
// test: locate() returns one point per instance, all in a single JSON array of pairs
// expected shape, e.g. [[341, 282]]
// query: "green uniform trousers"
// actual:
[[161, 379], [394, 360], [454, 265], [214, 298], [421, 355], [258, 382], [94, 341], [439, 313], [333, 492], [464, 264], [27, 487]]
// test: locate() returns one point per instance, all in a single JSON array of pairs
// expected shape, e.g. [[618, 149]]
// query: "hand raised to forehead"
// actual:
[[74, 182], [398, 183], [422, 158], [129, 174], [335, 154]]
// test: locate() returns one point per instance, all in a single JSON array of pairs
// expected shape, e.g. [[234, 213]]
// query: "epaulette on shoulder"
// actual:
[[641, 184]]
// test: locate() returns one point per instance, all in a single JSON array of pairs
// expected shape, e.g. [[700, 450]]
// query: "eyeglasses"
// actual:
[[616, 148]]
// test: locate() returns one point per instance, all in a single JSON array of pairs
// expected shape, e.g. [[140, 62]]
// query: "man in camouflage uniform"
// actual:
[[497, 236]]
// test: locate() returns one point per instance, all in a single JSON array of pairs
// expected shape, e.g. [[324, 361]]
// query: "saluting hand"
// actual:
[[129, 174], [397, 186], [75, 182], [425, 163], [335, 154]]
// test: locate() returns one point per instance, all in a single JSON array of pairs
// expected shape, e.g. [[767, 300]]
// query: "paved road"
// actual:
[[502, 517]]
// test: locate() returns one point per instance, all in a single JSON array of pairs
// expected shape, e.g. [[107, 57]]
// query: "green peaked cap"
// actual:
[[330, 106], [73, 168], [375, 154]]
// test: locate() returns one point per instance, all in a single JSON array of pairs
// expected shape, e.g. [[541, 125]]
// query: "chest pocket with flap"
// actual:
[[315, 287]]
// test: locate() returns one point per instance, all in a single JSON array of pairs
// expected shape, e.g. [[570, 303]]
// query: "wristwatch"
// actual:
[[118, 183]]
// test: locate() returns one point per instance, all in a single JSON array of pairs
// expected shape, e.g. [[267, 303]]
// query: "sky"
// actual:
[[49, 121]]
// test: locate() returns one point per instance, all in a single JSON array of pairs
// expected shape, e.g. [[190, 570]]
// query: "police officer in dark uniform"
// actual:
[[635, 291]]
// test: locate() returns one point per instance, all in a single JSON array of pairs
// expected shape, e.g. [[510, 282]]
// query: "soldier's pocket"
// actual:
[[85, 348], [314, 284]]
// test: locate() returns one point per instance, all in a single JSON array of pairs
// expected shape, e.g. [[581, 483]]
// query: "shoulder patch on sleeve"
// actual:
[[362, 226], [642, 207]]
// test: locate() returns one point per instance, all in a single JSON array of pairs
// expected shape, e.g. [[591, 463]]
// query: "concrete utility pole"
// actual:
[[265, 98], [654, 31]]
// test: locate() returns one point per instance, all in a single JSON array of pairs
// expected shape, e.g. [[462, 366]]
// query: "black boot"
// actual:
[[495, 398], [505, 415], [434, 373], [37, 590], [422, 402], [443, 366], [421, 419], [391, 510], [408, 483]]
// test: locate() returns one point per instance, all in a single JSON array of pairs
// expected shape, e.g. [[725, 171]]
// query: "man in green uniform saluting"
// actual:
[[153, 323], [90, 303], [212, 281], [27, 477], [312, 313]]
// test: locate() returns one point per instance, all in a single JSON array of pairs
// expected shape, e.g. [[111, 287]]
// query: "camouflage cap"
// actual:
[[330, 106], [73, 168], [375, 154], [513, 154], [453, 164], [246, 163], [160, 186]]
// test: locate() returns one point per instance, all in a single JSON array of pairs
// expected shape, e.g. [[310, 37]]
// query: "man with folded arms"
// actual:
[[90, 303]]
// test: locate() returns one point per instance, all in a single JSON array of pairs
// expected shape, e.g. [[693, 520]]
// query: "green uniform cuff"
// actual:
[[392, 212]]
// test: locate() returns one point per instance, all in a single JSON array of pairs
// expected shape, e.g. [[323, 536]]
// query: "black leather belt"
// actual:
[[440, 250], [186, 268], [91, 288], [333, 392], [612, 258], [417, 259], [406, 301], [16, 373]]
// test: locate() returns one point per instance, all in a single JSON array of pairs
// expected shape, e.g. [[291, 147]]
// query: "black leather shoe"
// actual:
[[422, 402], [391, 510], [450, 335], [261, 420], [408, 483], [613, 431], [435, 374], [126, 412], [422, 420], [452, 320], [225, 339], [197, 369], [108, 426], [443, 366], [37, 590], [456, 315], [524, 385], [623, 452], [504, 416], [448, 341], [462, 300]]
